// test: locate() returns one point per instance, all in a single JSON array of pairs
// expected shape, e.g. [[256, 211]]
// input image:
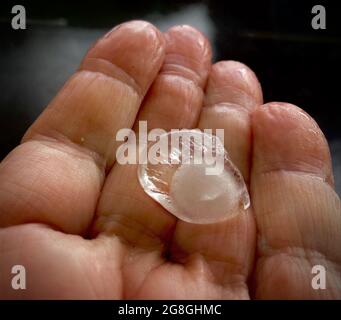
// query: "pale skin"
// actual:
[[83, 227]]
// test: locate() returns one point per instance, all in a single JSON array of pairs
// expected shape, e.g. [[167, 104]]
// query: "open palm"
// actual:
[[83, 227]]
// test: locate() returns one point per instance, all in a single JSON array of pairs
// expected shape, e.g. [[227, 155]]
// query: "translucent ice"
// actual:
[[178, 177]]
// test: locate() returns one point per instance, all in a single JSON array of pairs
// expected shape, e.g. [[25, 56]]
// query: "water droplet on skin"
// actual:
[[180, 183]]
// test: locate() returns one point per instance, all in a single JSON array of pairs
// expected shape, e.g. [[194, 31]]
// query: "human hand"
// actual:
[[84, 228]]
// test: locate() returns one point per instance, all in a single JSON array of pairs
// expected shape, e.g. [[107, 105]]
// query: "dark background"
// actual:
[[293, 62]]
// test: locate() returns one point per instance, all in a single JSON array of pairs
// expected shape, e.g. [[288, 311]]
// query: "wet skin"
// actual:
[[82, 225]]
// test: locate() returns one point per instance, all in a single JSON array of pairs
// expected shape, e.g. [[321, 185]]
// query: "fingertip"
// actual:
[[188, 53], [235, 82], [187, 32], [287, 138], [133, 49]]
